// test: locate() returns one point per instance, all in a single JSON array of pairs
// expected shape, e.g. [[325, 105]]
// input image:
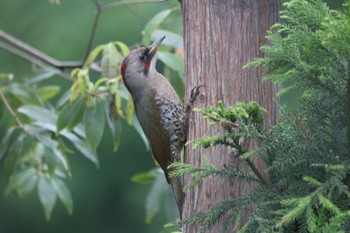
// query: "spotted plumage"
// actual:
[[159, 110]]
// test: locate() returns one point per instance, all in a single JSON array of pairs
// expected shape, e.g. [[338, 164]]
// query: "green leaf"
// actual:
[[11, 161], [138, 128], [118, 105], [157, 193], [53, 146], [115, 127], [7, 140], [85, 149], [47, 196], [153, 24], [24, 180], [110, 61], [170, 228], [77, 142], [92, 56], [29, 185], [47, 92], [130, 110], [143, 178], [71, 115], [98, 84], [38, 114], [77, 117], [116, 130], [172, 39], [24, 93], [172, 60], [124, 93], [64, 99], [82, 86], [42, 74], [63, 193], [94, 123], [61, 157], [52, 161], [123, 48]]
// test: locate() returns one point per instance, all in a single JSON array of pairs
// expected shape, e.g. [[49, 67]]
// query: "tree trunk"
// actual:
[[220, 37]]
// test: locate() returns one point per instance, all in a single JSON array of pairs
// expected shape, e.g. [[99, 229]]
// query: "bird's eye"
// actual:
[[143, 57]]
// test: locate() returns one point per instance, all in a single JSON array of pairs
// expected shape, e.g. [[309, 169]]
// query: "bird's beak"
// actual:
[[153, 47]]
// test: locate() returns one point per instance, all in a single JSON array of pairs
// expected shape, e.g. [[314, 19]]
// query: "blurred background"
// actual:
[[105, 199]]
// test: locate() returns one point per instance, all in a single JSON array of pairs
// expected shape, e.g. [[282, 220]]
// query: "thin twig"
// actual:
[[256, 171], [135, 12], [34, 55], [9, 108], [94, 27], [250, 164], [32, 59], [29, 53], [37, 53]]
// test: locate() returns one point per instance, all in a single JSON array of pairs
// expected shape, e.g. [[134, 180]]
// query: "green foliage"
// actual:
[[158, 195], [208, 170], [243, 119], [34, 147], [94, 123], [307, 152], [81, 174], [241, 123], [40, 136], [170, 54]]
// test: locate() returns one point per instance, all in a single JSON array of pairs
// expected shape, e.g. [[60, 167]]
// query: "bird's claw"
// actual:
[[194, 93], [193, 96]]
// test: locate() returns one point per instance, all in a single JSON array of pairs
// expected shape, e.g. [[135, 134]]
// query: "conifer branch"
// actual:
[[256, 171], [347, 76]]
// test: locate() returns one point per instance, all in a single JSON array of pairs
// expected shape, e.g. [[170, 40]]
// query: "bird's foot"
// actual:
[[194, 94]]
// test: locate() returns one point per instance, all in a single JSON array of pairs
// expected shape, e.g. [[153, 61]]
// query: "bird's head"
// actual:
[[139, 63]]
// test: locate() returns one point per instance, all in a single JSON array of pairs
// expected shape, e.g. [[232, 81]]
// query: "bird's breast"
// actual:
[[149, 118]]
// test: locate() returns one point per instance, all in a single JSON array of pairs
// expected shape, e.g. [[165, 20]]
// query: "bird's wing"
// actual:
[[172, 118]]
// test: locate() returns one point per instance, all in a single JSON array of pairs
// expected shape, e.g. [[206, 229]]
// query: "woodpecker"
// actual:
[[159, 110]]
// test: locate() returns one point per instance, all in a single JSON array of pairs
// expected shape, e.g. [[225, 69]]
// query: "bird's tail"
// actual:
[[176, 185]]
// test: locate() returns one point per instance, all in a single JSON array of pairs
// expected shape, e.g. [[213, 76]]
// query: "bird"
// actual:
[[161, 113]]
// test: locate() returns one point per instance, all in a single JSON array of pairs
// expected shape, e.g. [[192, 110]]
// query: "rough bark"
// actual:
[[220, 37]]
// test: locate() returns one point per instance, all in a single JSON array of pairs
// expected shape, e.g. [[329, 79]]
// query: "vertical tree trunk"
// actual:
[[220, 37]]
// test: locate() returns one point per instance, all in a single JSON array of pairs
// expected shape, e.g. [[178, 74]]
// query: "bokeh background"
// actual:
[[105, 199]]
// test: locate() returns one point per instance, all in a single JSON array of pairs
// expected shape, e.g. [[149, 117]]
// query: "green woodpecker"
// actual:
[[159, 110]]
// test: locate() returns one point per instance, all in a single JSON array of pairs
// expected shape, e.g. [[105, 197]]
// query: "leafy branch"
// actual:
[[22, 49], [39, 135]]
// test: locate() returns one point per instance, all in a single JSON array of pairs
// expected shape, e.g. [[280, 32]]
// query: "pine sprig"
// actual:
[[308, 151], [233, 207], [180, 169]]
